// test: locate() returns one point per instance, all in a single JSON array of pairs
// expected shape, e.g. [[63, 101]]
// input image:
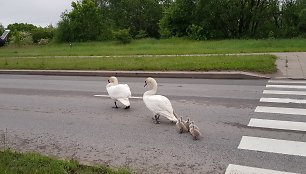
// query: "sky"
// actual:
[[37, 12]]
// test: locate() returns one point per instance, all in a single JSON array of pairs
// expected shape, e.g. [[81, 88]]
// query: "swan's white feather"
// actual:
[[161, 105], [120, 92]]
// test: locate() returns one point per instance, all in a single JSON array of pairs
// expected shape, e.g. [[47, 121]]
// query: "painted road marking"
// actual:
[[280, 110], [282, 100], [237, 169], [277, 124], [108, 96], [286, 86], [288, 81], [284, 92], [273, 146]]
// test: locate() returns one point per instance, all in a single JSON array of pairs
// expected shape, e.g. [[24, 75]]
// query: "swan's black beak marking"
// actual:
[[145, 84], [108, 81]]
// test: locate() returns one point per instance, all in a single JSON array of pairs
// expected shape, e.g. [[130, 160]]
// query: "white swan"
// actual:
[[118, 92], [158, 104]]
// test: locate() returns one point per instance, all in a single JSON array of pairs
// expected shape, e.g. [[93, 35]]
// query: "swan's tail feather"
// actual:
[[176, 116], [125, 101]]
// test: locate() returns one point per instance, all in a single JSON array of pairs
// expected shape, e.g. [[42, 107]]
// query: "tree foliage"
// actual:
[[84, 23], [1, 28], [92, 20], [135, 15], [42, 33]]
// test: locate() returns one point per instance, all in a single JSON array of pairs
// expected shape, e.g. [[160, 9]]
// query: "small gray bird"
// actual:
[[181, 126]]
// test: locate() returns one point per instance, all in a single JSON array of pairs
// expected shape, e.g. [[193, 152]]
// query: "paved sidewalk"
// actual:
[[291, 65]]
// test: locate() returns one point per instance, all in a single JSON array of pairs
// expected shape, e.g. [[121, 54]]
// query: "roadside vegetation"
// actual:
[[253, 63], [127, 20], [31, 163], [172, 46]]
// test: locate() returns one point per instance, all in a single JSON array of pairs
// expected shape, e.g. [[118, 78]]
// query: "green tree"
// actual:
[[1, 28], [177, 18], [21, 27], [135, 15], [84, 23], [43, 33], [302, 22]]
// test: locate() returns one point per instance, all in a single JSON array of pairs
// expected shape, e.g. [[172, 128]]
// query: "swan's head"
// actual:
[[113, 80], [150, 81]]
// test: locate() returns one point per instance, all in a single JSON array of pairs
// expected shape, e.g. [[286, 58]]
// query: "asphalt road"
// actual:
[[60, 116]]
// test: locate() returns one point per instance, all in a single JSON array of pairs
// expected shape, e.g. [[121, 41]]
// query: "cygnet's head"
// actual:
[[181, 119], [150, 81], [113, 79]]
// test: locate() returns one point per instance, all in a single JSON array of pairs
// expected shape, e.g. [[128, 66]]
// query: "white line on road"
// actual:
[[108, 96], [286, 86], [284, 92], [288, 81], [237, 169], [273, 145], [277, 124], [282, 100], [280, 110]]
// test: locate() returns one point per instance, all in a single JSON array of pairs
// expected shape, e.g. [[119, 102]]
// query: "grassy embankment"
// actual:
[[263, 63], [29, 163], [152, 46]]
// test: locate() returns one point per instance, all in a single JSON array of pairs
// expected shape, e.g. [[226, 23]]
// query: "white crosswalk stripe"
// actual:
[[280, 110], [288, 81], [284, 92], [107, 96], [271, 145], [286, 86], [237, 169], [277, 124], [282, 100]]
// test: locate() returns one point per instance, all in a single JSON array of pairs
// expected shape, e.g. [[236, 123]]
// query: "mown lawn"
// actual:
[[253, 63], [157, 47], [30, 163]]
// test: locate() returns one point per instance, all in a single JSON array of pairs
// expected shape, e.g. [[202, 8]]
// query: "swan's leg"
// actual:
[[115, 105], [127, 107], [156, 118]]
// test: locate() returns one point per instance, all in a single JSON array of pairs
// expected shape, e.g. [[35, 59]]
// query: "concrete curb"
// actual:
[[159, 74]]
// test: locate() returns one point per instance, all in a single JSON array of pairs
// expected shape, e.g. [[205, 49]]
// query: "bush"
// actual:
[[196, 32], [141, 34], [43, 42], [123, 36], [21, 38], [42, 33]]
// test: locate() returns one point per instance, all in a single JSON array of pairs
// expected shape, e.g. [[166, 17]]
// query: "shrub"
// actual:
[[43, 42], [196, 32], [123, 36], [21, 38], [141, 34], [42, 33]]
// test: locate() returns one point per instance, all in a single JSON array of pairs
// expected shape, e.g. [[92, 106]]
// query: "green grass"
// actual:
[[30, 163], [153, 46], [254, 63]]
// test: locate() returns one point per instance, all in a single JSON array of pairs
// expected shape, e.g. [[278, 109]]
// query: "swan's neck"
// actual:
[[152, 91], [115, 81], [110, 84]]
